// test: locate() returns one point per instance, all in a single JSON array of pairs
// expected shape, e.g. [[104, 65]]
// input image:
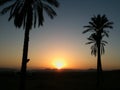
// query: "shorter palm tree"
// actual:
[[98, 26]]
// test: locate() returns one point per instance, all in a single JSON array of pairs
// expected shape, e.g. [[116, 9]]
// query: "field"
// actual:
[[53, 80]]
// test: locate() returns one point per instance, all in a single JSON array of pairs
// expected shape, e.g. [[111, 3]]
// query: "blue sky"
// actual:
[[62, 37]]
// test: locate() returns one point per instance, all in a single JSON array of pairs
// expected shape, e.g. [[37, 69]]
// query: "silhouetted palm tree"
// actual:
[[98, 27], [27, 13]]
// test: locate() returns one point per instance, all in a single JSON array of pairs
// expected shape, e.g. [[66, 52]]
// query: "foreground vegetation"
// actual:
[[52, 80]]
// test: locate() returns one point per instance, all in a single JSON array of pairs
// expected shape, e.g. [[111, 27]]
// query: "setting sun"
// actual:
[[59, 64]]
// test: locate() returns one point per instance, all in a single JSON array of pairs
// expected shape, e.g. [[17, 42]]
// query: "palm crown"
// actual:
[[98, 26], [28, 12]]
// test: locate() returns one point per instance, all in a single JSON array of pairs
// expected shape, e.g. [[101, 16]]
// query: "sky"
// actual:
[[61, 39]]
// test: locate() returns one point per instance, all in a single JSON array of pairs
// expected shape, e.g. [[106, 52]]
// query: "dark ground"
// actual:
[[60, 80]]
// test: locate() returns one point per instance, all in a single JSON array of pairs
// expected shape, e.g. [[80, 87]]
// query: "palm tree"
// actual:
[[26, 13], [98, 26]]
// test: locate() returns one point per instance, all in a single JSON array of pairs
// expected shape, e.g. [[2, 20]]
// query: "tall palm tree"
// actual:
[[26, 13], [98, 26]]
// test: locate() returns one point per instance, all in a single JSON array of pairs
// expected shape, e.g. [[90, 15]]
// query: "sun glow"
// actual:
[[59, 64]]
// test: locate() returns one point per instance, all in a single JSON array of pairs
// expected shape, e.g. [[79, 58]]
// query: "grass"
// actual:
[[60, 80]]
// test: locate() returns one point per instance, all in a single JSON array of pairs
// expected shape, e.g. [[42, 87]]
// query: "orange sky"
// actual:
[[62, 38]]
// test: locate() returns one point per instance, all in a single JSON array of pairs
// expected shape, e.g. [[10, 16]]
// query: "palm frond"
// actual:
[[35, 18], [87, 30], [53, 2], [105, 42], [40, 14], [51, 13], [108, 25], [15, 9], [6, 9], [94, 49], [102, 50], [93, 25], [105, 33], [89, 43], [2, 2]]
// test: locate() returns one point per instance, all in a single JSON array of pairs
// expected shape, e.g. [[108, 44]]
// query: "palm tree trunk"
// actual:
[[24, 61], [99, 66]]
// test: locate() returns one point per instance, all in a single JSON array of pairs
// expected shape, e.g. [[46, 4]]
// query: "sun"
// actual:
[[59, 64]]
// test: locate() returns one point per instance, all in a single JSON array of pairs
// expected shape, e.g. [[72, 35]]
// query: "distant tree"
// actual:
[[26, 13], [98, 27]]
